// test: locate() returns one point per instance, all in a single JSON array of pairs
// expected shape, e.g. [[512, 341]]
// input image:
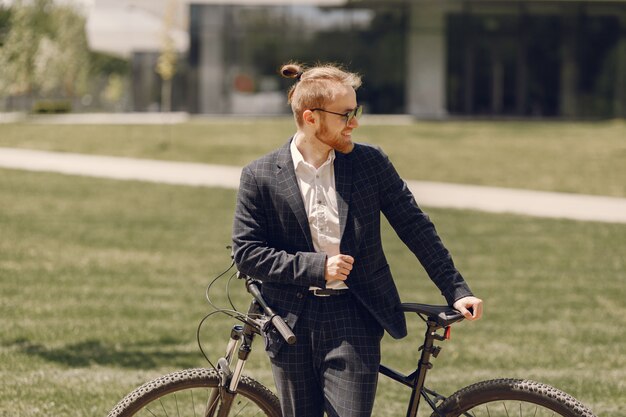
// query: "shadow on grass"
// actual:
[[141, 355]]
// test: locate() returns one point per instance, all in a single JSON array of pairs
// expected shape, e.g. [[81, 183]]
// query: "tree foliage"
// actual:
[[105, 64], [166, 64], [5, 17], [45, 50]]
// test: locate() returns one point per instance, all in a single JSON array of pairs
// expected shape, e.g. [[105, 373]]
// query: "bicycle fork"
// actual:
[[221, 398]]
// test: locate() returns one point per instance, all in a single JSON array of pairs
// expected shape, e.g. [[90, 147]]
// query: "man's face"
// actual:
[[332, 129]]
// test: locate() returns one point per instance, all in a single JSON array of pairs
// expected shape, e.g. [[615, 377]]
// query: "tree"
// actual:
[[17, 56], [72, 63], [45, 51], [166, 64], [5, 17]]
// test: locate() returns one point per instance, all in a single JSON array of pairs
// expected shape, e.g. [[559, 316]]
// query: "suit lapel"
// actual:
[[343, 183], [288, 187]]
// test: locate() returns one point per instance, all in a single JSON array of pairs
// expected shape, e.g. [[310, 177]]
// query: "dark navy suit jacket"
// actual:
[[272, 239]]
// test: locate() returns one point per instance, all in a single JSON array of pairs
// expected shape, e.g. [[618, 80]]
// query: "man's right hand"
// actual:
[[338, 267]]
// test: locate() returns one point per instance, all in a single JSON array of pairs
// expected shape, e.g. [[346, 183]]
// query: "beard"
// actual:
[[335, 141]]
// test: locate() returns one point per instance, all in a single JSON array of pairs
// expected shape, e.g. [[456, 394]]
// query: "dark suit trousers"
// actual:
[[333, 366]]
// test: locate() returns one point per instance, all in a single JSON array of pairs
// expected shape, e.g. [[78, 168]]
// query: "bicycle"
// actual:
[[223, 390]]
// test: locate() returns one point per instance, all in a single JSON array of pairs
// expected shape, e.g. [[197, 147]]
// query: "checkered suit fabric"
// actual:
[[272, 240], [334, 365]]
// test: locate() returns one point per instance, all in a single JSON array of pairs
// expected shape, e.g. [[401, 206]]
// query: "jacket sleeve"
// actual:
[[417, 231], [255, 256]]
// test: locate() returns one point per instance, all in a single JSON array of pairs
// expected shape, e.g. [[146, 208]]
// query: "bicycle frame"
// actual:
[[230, 391], [415, 380], [243, 335]]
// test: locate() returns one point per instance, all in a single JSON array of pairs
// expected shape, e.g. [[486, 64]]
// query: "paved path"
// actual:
[[430, 194]]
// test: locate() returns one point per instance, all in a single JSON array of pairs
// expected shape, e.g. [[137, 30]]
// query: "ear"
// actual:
[[308, 117]]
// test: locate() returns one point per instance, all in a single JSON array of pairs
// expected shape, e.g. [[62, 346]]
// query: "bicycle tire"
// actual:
[[507, 397], [173, 395]]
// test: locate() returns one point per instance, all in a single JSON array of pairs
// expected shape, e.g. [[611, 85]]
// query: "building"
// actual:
[[134, 30], [427, 58]]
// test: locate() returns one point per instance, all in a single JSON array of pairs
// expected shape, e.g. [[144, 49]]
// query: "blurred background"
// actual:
[[428, 59]]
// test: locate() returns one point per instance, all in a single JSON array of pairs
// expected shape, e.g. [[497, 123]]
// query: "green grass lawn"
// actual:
[[103, 283], [571, 157]]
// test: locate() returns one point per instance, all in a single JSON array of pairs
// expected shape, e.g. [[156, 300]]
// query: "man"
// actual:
[[307, 224]]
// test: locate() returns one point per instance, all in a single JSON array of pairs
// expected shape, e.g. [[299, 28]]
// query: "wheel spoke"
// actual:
[[511, 408], [173, 396], [470, 413], [163, 407], [512, 398], [241, 409], [212, 405], [193, 404]]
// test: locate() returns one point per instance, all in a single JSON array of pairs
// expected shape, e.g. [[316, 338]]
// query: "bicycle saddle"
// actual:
[[442, 315]]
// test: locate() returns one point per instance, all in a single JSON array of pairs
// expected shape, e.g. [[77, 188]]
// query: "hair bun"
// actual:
[[291, 71]]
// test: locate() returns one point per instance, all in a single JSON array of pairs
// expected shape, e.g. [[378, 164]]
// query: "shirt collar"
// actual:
[[298, 159]]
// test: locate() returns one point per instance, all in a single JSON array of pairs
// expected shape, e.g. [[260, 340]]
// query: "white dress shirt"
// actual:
[[317, 186]]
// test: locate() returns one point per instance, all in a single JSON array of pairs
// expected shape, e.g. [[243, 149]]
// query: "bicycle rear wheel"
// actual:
[[511, 397], [187, 393]]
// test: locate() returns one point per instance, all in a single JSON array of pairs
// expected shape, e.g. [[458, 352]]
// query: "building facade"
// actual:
[[431, 59]]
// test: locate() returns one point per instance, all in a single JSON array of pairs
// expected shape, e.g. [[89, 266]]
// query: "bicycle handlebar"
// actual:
[[275, 319], [283, 329]]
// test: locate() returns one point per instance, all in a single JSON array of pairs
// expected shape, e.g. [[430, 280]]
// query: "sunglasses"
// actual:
[[352, 114]]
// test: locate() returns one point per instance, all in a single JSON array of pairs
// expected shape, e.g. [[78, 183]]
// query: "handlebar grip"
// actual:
[[276, 320], [283, 329]]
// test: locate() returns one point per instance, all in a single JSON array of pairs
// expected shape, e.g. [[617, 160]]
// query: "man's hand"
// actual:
[[464, 304], [338, 267]]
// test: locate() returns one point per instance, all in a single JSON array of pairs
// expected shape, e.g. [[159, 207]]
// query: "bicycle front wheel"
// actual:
[[191, 393], [511, 397]]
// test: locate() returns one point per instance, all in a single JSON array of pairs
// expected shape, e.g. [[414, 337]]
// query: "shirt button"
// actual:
[[299, 295]]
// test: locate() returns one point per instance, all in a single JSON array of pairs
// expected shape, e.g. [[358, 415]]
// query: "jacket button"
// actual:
[[299, 295]]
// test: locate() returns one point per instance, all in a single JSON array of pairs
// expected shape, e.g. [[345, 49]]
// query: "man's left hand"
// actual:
[[465, 304]]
